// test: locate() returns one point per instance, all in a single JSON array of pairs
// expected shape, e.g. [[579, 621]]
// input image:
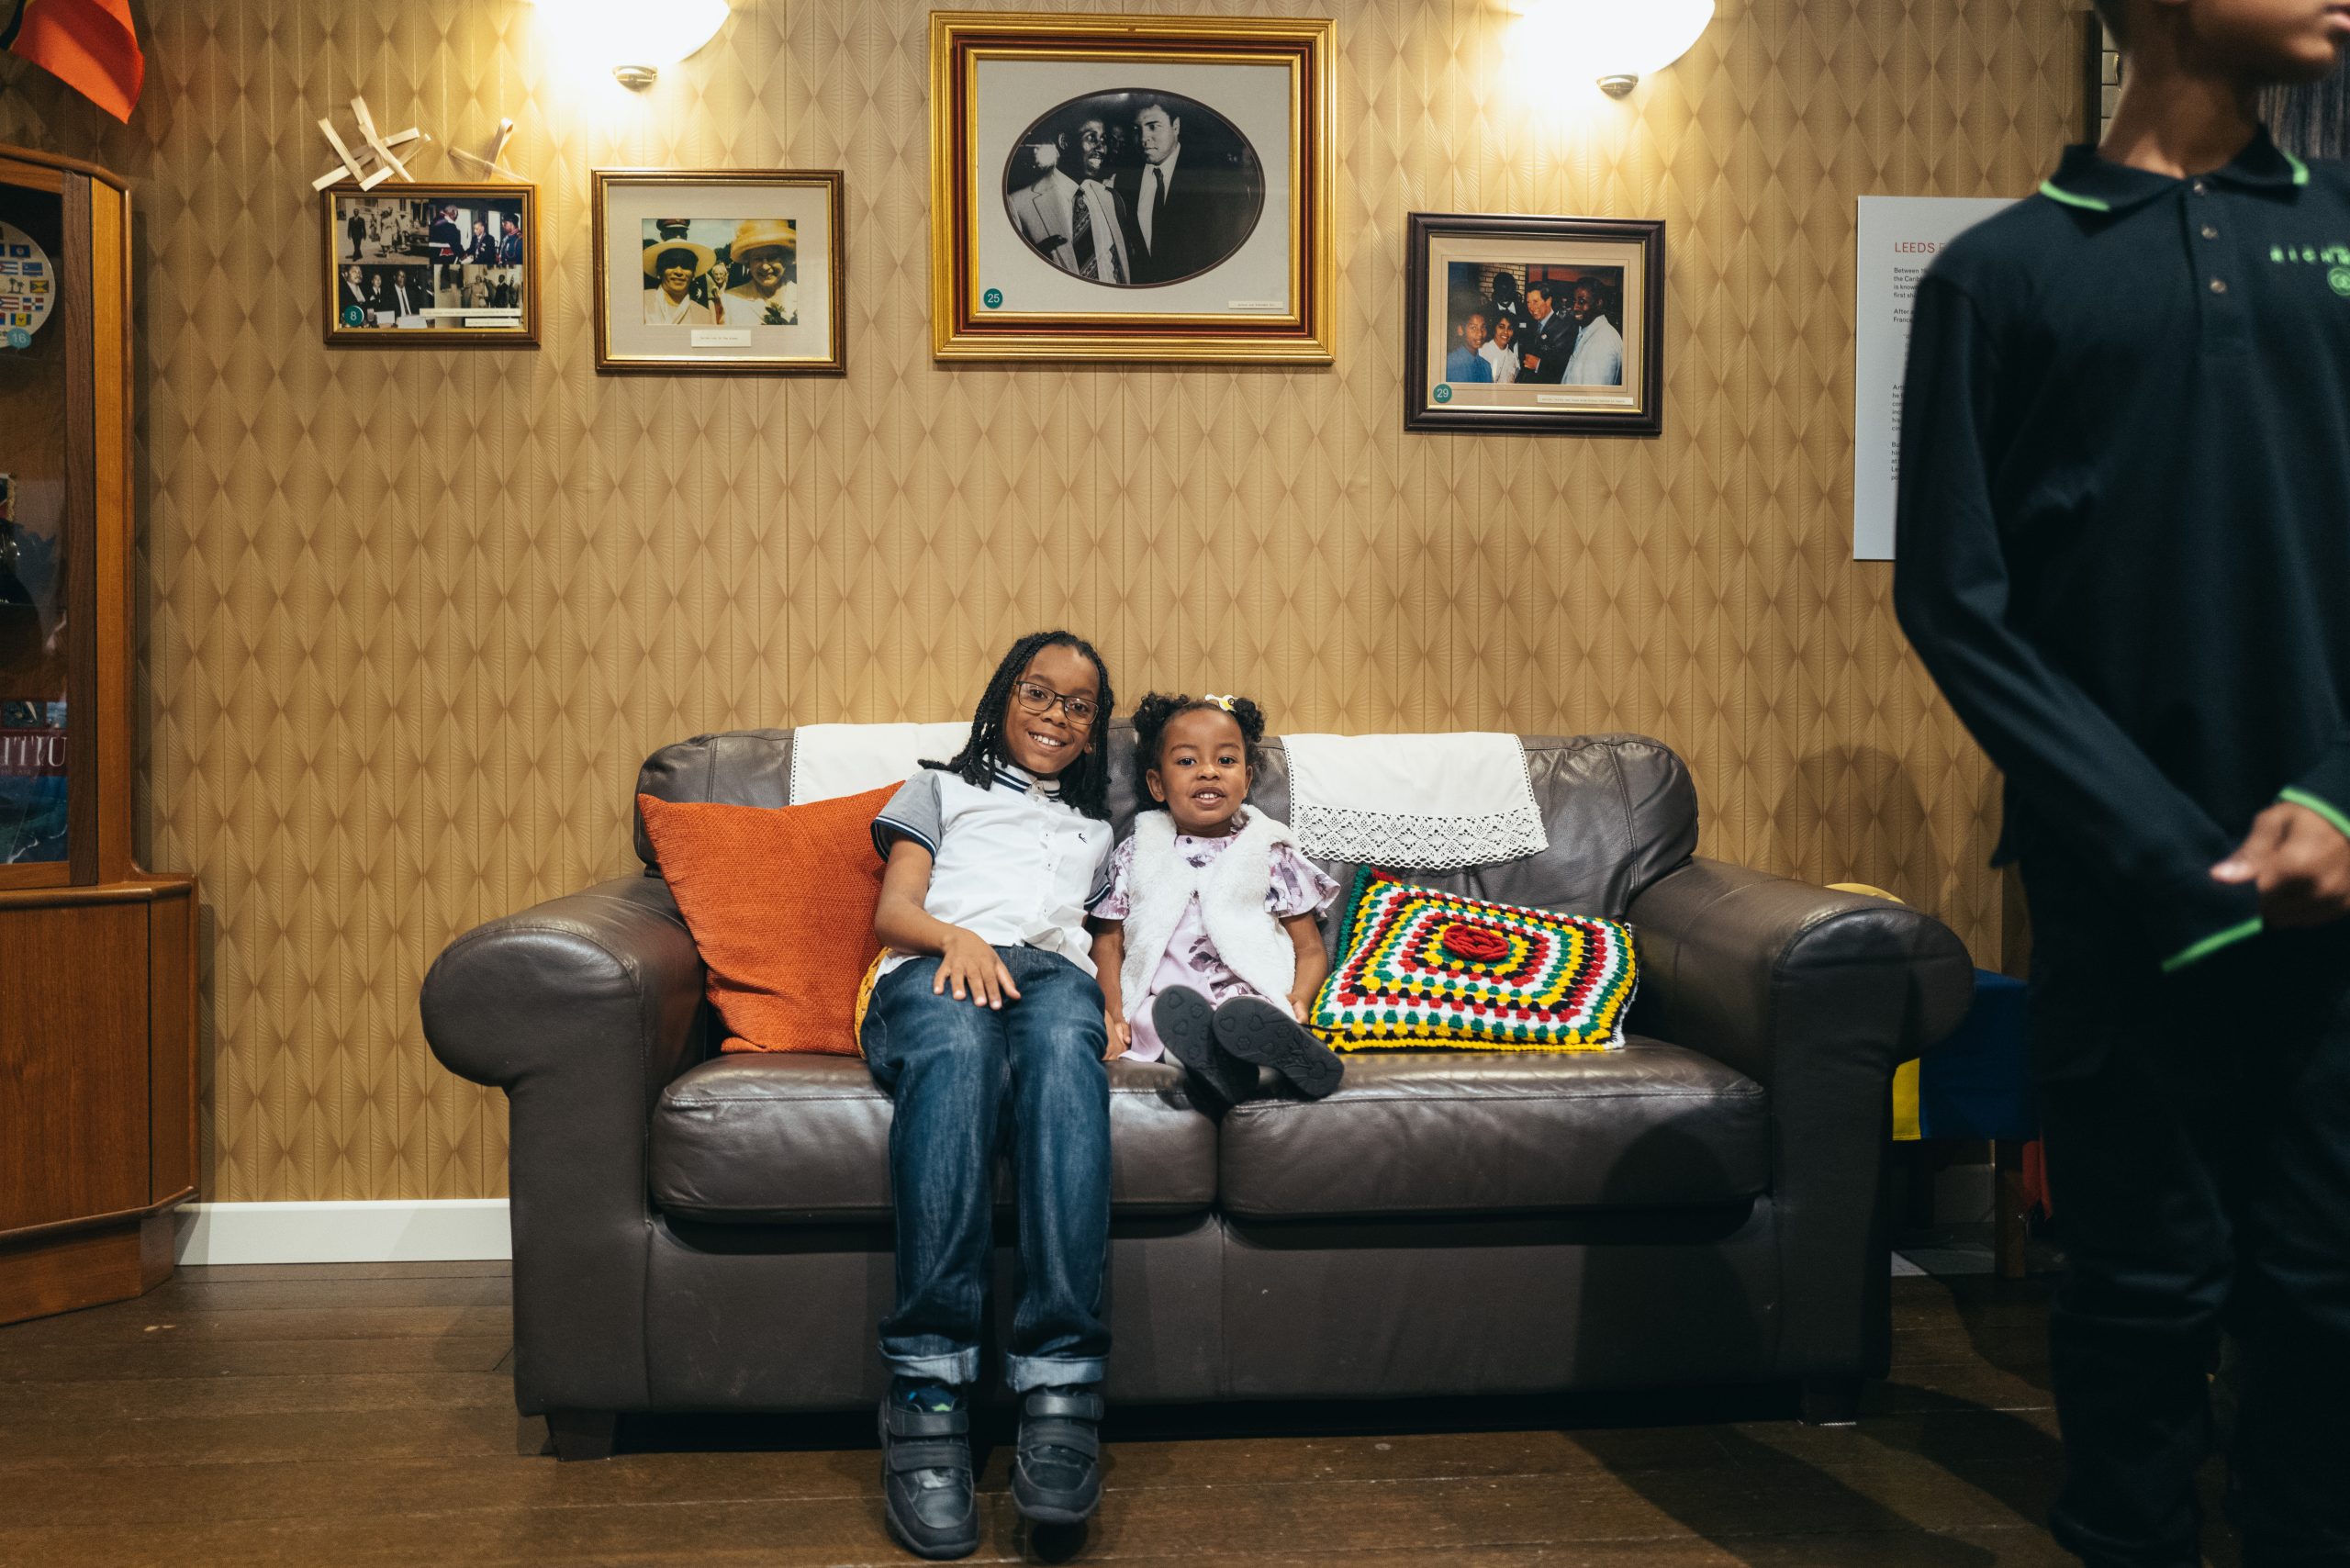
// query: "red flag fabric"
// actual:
[[89, 45]]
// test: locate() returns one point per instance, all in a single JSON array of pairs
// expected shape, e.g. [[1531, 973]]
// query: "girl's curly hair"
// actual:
[[1085, 783], [1150, 728]]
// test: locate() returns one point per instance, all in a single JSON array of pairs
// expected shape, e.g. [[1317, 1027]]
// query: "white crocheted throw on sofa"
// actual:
[[1420, 803]]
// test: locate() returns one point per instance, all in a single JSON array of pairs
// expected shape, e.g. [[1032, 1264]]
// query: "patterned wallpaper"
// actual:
[[410, 619]]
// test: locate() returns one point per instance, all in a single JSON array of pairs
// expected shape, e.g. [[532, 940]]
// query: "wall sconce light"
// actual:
[[637, 38], [1626, 40]]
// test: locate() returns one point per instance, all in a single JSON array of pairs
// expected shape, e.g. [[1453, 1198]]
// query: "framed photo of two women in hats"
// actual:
[[729, 272]]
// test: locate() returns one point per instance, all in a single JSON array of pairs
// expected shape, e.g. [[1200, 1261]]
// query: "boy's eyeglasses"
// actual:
[[1037, 698]]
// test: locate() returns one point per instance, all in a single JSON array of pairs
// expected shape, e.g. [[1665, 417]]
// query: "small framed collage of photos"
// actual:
[[431, 266]]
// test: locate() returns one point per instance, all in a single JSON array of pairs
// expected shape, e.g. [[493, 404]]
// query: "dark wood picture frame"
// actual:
[[342, 334], [1635, 407]]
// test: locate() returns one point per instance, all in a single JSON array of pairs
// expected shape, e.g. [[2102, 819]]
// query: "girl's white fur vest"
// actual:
[[1232, 903]]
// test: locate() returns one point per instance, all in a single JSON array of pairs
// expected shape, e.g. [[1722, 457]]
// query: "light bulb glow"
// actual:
[[624, 35], [1611, 37]]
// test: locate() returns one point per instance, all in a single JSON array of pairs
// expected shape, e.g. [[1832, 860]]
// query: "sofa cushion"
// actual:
[[774, 1139], [780, 900], [1419, 968], [1454, 1132]]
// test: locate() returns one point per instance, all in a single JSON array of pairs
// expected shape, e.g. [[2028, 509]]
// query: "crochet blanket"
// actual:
[[1424, 802]]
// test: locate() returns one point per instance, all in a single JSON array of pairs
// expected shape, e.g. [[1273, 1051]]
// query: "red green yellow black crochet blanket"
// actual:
[[1421, 968]]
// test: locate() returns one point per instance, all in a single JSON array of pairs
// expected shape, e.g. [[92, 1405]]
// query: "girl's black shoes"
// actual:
[[1186, 1028], [1057, 1467], [926, 1476], [1258, 1031]]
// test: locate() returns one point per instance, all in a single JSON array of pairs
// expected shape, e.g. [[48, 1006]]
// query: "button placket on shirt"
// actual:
[[2217, 279]]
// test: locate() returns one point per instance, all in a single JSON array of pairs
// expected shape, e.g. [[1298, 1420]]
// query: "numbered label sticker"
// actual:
[[993, 298]]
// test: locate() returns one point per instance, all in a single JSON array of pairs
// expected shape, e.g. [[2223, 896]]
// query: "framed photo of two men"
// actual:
[[432, 265], [1131, 188], [728, 272], [1533, 325]]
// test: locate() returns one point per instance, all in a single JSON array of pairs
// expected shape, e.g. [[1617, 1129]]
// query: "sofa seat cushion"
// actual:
[[777, 1137], [1459, 1133]]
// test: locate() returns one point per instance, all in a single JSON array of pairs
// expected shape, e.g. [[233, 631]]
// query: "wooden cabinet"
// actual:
[[97, 958]]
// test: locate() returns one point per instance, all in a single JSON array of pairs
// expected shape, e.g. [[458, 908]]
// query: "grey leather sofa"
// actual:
[[698, 1232]]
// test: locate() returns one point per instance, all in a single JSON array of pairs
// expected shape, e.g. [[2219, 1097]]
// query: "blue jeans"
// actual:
[[968, 1081]]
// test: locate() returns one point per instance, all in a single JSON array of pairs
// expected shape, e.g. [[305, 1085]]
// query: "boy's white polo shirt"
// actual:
[[1011, 862]]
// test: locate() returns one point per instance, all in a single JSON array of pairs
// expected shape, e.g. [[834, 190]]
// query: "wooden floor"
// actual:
[[361, 1414]]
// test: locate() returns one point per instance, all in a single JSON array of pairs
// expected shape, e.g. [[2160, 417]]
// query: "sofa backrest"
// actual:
[[1621, 811]]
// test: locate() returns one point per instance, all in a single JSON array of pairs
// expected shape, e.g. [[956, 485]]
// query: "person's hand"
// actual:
[[1300, 1004], [974, 969], [1121, 1033], [2299, 861]]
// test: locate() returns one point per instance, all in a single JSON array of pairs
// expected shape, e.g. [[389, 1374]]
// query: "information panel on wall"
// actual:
[[1899, 238]]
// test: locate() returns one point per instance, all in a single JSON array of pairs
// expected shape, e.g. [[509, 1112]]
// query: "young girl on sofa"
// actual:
[[985, 1028], [1207, 941]]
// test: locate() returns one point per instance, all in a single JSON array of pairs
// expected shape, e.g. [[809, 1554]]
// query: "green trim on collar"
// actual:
[[2055, 192], [2300, 177], [2210, 945], [2319, 804]]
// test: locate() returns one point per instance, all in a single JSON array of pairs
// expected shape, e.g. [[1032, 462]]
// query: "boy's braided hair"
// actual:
[[1085, 783], [1151, 719]]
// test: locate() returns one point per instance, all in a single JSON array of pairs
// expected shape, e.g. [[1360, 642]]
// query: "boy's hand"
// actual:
[[2299, 861], [1121, 1035], [1299, 1006], [974, 969]]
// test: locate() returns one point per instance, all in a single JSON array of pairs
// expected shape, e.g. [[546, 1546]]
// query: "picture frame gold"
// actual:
[[1236, 110], [400, 271], [635, 215]]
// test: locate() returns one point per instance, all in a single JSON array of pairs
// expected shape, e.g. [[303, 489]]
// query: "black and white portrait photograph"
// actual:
[[726, 271], [448, 263], [1133, 188], [1533, 324]]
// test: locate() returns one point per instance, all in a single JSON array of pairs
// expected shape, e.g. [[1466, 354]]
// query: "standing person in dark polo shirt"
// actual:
[[2124, 552]]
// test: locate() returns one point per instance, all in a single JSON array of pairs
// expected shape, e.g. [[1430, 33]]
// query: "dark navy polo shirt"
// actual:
[[2123, 535]]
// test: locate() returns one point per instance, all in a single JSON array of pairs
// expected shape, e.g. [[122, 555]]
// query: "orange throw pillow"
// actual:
[[779, 899]]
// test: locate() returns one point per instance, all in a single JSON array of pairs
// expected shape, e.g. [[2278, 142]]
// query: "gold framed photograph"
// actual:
[[432, 265], [1132, 188], [1533, 325], [724, 272]]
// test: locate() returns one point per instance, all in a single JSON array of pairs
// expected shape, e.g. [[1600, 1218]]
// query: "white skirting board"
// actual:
[[418, 1230]]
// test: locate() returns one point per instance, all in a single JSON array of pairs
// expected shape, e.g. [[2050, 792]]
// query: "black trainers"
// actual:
[[1187, 1029], [926, 1478], [1256, 1030], [1057, 1467]]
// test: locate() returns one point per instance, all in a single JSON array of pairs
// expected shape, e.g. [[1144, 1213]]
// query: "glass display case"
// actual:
[[98, 998], [36, 587]]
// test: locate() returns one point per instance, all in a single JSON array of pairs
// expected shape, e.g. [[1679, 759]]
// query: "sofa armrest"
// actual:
[[1741, 964], [1818, 996], [581, 1009]]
